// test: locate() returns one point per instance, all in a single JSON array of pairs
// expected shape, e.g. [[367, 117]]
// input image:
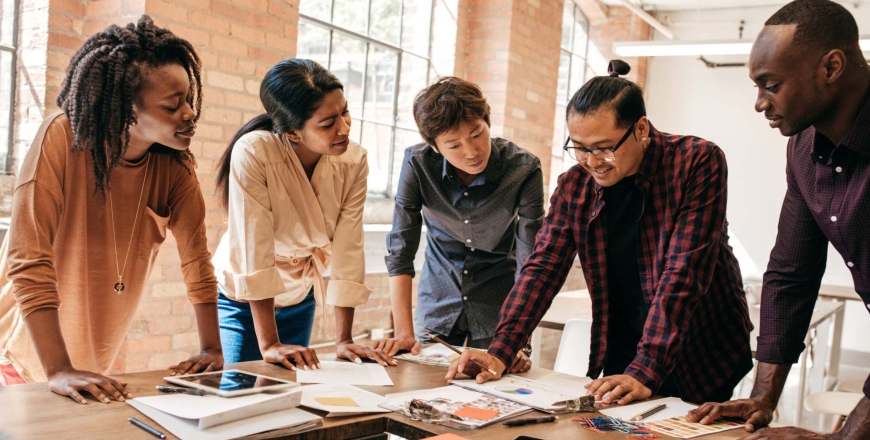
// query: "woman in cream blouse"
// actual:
[[294, 187]]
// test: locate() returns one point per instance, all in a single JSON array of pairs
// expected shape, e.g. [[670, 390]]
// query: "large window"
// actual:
[[8, 41], [572, 69], [380, 51]]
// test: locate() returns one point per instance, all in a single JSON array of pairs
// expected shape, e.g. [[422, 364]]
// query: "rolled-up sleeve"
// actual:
[[250, 229], [187, 224], [346, 280], [37, 207], [404, 238]]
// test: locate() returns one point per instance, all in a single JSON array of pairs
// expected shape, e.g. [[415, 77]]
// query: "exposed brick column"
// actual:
[[619, 25], [512, 52]]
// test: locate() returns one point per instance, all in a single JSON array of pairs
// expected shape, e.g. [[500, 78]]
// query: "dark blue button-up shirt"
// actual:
[[475, 234]]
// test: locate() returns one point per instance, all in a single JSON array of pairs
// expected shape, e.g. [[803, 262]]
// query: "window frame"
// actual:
[[9, 159], [393, 124], [571, 53]]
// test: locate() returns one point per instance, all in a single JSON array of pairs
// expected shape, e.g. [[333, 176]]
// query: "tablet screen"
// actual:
[[232, 380]]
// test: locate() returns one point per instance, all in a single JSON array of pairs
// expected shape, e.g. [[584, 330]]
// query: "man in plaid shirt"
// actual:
[[645, 212]]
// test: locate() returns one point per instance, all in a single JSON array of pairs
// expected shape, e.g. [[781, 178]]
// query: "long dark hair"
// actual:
[[291, 92], [103, 82], [624, 96]]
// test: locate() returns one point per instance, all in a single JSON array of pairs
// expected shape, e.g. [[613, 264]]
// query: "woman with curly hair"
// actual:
[[99, 187]]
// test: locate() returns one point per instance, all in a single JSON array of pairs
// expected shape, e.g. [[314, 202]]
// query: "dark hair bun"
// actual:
[[618, 68]]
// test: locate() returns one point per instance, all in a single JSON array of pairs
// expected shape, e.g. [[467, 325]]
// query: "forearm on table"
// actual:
[[263, 311], [44, 328], [207, 325], [769, 382], [857, 424], [344, 324], [400, 297]]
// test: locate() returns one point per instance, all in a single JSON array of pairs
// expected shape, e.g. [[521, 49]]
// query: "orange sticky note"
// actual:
[[476, 413], [448, 436]]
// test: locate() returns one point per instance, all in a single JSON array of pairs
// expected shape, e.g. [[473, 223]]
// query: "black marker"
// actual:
[[181, 390], [147, 428], [523, 422]]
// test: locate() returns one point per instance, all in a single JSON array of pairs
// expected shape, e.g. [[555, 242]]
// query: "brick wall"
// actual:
[[608, 25], [509, 47]]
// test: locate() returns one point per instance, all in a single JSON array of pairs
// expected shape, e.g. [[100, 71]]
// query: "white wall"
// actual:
[[686, 97]]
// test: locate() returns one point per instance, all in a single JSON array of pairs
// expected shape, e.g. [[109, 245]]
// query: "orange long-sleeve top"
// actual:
[[59, 252]]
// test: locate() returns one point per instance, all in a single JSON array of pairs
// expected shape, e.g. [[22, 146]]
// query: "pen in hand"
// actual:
[[441, 341], [523, 422]]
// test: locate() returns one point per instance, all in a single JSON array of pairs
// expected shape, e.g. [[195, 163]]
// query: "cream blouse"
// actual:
[[283, 231]]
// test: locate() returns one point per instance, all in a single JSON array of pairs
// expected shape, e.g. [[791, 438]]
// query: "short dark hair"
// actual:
[[291, 92], [446, 105], [624, 96], [821, 25]]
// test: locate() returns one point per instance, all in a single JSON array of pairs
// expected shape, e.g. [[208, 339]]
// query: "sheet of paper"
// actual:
[[540, 395], [341, 400], [346, 373], [675, 408], [476, 413], [448, 436], [186, 429], [435, 354], [679, 427]]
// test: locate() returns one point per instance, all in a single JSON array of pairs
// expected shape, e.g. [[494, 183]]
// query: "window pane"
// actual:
[[580, 36], [6, 74], [416, 22], [578, 67], [567, 24], [404, 139], [356, 130], [7, 16], [376, 138], [313, 43], [348, 64], [380, 84], [412, 80], [384, 17], [351, 14], [563, 94], [316, 8]]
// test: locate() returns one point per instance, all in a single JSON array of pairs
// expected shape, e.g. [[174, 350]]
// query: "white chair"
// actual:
[[573, 355], [836, 403]]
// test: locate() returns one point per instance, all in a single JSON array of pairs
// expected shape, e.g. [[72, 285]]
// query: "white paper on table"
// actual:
[[675, 408], [367, 402], [211, 410], [547, 395], [436, 354], [186, 429], [345, 373]]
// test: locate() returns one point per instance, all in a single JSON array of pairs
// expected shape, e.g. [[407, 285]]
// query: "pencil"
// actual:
[[440, 341], [648, 412]]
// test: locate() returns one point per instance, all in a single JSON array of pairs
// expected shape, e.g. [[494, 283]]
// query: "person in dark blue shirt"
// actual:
[[482, 201]]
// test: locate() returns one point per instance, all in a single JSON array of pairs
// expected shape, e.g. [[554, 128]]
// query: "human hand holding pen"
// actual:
[[468, 363]]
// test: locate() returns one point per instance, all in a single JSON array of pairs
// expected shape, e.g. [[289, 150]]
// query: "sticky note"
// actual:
[[336, 401], [449, 436], [476, 413]]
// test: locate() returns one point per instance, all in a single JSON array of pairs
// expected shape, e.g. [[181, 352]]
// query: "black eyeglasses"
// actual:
[[603, 154]]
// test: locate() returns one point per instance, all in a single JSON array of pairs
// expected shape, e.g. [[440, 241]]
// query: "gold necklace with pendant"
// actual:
[[119, 286]]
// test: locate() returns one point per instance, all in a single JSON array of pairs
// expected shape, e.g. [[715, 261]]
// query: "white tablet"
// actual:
[[230, 383]]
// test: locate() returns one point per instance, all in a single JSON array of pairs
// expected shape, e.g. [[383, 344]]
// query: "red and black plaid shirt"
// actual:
[[698, 324]]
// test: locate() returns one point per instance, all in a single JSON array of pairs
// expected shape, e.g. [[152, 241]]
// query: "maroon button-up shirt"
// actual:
[[828, 200], [698, 324]]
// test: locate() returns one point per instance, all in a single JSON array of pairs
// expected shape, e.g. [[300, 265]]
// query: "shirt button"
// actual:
[[593, 213], [468, 241], [833, 218], [465, 298], [850, 264], [838, 169], [465, 272], [465, 193], [868, 306], [472, 249], [466, 222]]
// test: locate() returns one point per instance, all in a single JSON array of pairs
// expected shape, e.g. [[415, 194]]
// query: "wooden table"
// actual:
[[31, 412]]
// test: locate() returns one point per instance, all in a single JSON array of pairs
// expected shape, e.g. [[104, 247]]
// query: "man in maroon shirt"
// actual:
[[645, 212], [813, 85]]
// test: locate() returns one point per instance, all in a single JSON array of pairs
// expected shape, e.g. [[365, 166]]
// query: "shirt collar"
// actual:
[[856, 138], [491, 174]]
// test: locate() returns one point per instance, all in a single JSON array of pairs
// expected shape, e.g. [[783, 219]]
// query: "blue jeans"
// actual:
[[238, 338]]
